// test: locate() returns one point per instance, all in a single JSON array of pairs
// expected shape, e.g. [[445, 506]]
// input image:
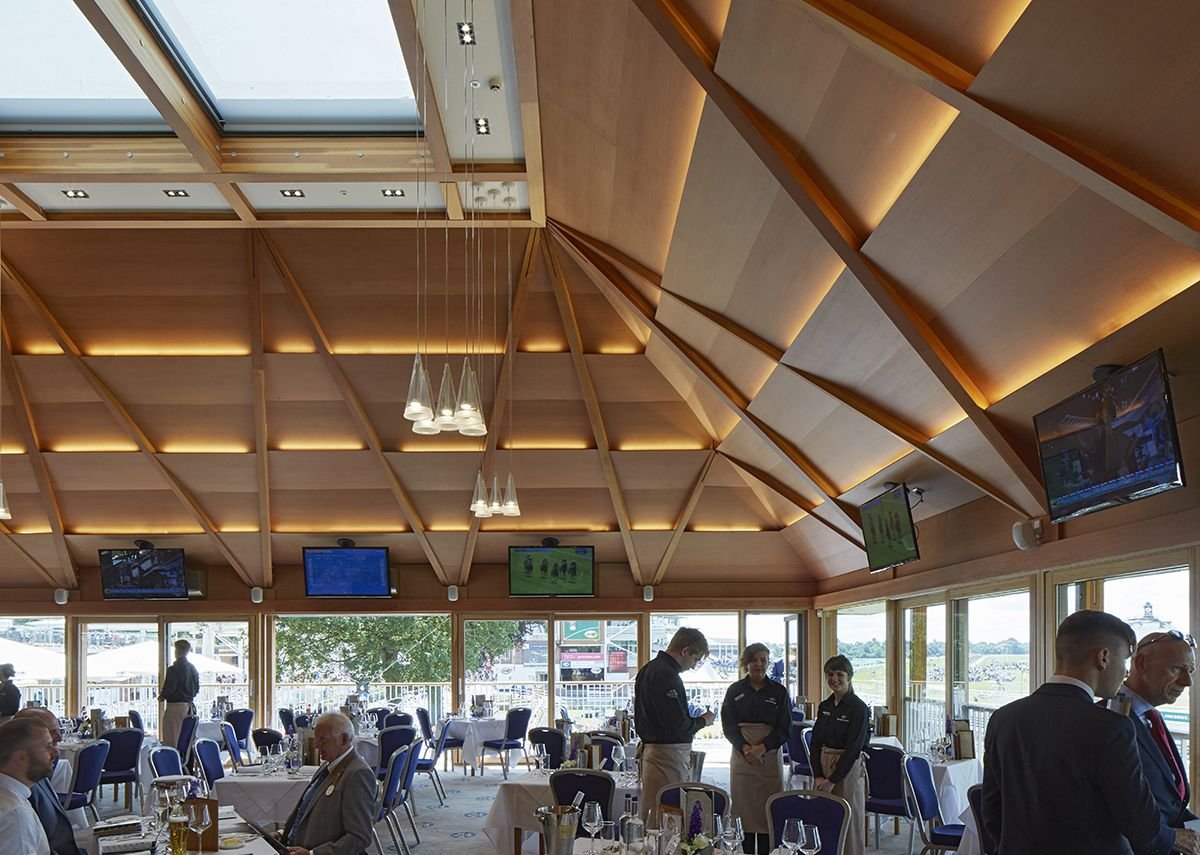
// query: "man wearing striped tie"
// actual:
[[333, 816]]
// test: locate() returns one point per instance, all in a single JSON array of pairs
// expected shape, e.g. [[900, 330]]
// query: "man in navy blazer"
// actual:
[[1161, 671], [1063, 775]]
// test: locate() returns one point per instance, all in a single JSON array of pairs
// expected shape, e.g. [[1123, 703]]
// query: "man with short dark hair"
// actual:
[[26, 752], [1159, 674], [661, 715], [1061, 774], [178, 694], [42, 796]]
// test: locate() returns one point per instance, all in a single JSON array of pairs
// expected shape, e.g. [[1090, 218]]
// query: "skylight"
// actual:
[[291, 65], [57, 74]]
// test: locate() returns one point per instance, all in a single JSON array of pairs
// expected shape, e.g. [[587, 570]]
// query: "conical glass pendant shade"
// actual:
[[468, 409], [473, 429], [444, 413], [496, 506], [479, 499], [417, 405], [510, 508], [426, 427], [5, 513]]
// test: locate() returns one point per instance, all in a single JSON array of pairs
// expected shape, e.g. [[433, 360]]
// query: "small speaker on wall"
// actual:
[[256, 595], [648, 593], [1027, 534], [452, 593], [62, 596]]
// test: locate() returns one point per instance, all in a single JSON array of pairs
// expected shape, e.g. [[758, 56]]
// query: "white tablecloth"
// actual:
[[887, 740], [518, 798], [252, 844], [952, 780], [263, 798], [210, 730], [970, 840], [368, 749], [474, 732]]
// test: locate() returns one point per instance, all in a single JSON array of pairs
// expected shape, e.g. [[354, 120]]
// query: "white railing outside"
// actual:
[[119, 698], [52, 696], [314, 697]]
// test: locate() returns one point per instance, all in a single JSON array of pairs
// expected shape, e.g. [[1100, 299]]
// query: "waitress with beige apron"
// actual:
[[838, 738], [756, 717]]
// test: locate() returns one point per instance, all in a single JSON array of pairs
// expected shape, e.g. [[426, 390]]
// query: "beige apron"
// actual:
[[752, 783], [853, 788], [662, 766]]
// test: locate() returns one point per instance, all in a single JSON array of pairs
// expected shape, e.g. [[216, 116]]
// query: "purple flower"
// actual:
[[696, 822]]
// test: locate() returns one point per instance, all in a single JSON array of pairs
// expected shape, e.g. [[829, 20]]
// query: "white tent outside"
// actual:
[[142, 658], [33, 662]]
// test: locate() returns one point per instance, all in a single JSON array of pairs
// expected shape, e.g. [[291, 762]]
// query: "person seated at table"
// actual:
[[756, 718], [42, 794], [838, 737], [333, 816], [26, 750]]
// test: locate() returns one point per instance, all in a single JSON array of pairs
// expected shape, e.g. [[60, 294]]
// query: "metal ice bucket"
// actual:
[[559, 824]]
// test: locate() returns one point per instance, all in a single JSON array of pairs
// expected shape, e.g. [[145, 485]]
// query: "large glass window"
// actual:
[[924, 675], [34, 646], [597, 662], [508, 665], [398, 659], [706, 684], [991, 662], [862, 637], [221, 653], [121, 669], [781, 633]]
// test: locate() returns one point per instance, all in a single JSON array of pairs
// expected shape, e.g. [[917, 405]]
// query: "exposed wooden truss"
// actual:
[[842, 239], [1158, 208], [685, 516], [501, 400], [121, 414], [610, 280], [21, 201], [591, 401], [875, 413], [12, 540], [258, 382], [354, 404], [41, 473], [531, 121]]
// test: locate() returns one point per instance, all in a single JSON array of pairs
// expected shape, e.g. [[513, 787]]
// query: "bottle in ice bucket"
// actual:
[[177, 823]]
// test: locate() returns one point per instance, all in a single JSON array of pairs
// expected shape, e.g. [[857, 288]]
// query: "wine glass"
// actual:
[[793, 834], [592, 820], [732, 834], [718, 830], [618, 757], [539, 755], [654, 827], [810, 839], [198, 821]]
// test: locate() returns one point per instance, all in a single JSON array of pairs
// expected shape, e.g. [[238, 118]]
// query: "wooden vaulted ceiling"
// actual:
[[775, 255]]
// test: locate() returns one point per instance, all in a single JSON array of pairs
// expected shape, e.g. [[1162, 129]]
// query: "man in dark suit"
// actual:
[[45, 802], [1161, 671], [334, 815], [1063, 775]]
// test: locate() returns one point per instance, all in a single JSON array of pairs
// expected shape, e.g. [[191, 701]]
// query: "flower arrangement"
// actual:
[[567, 764], [697, 841]]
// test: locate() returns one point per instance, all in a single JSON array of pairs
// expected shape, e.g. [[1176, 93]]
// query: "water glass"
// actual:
[[592, 820], [198, 821], [731, 833], [793, 834], [810, 839]]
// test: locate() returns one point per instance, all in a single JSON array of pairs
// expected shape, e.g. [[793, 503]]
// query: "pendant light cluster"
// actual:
[[458, 411]]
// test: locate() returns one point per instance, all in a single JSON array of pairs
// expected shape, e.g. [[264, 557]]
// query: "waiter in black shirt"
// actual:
[[661, 715], [756, 717], [178, 693], [838, 738]]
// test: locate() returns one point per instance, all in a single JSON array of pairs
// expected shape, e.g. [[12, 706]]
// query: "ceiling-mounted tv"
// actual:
[[143, 574], [551, 571], [1114, 442], [346, 571], [888, 531]]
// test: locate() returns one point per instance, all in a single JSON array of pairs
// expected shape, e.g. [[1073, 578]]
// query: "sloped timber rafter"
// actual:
[[685, 515], [124, 419], [841, 238], [355, 407], [258, 382]]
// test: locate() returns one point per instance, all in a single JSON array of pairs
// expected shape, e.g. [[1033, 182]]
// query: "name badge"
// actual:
[[672, 694], [329, 790], [739, 697], [772, 701]]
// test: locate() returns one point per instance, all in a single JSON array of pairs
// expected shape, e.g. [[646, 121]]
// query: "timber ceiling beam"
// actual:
[[531, 121], [875, 413], [11, 540], [1155, 206], [611, 282], [820, 211], [501, 401], [354, 404], [124, 419], [258, 384], [685, 515], [27, 430], [591, 400], [157, 220], [19, 200]]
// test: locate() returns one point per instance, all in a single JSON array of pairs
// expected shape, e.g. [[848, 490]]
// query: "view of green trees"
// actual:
[[875, 649]]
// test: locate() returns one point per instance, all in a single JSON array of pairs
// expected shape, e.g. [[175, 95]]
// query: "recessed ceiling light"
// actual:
[[75, 194], [393, 192], [176, 194], [295, 193], [482, 125], [466, 33]]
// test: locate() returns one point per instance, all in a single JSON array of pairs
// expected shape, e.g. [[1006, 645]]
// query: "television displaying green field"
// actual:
[[888, 530], [551, 571]]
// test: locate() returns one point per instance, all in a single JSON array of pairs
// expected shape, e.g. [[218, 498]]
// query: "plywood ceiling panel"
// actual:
[[298, 426], [139, 512], [53, 380], [319, 470], [713, 414], [213, 473], [653, 425], [79, 427], [546, 376], [729, 509], [742, 365], [654, 509], [196, 428], [658, 470], [743, 445], [335, 510], [821, 552]]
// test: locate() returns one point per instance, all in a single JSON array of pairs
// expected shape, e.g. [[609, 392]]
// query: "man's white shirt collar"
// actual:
[[1064, 680], [12, 784], [336, 760]]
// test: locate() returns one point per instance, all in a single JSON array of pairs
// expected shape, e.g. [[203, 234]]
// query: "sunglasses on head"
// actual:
[[1170, 633]]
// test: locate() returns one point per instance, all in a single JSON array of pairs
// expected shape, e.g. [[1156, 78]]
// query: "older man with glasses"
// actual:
[[1161, 671]]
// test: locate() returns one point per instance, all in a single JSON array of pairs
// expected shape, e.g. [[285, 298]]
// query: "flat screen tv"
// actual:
[[1114, 442], [551, 571], [143, 574], [888, 531], [346, 571]]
